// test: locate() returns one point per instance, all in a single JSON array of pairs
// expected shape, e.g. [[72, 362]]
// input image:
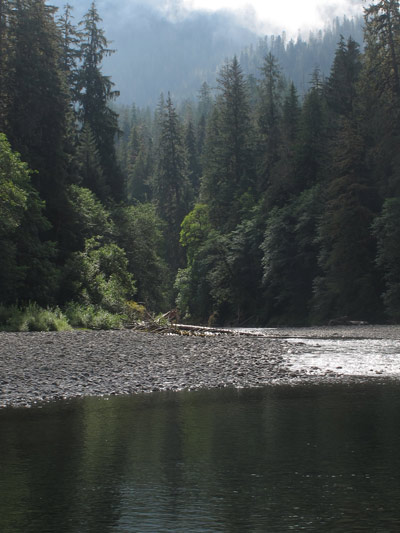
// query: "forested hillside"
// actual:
[[299, 57], [176, 50], [251, 205]]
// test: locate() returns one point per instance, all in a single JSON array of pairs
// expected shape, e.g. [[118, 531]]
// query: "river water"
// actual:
[[275, 459]]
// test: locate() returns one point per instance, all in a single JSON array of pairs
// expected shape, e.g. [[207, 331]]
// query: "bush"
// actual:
[[92, 317], [32, 318]]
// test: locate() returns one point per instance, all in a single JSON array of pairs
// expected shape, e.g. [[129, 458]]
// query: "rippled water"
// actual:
[[368, 351], [352, 357], [304, 458]]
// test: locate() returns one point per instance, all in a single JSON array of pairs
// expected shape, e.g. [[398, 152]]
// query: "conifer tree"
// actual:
[[37, 113], [269, 121], [380, 93], [228, 166], [341, 86], [5, 52], [171, 187], [94, 93], [193, 162], [140, 165], [70, 48]]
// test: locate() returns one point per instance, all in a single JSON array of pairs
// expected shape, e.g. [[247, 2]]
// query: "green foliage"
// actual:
[[139, 233], [86, 218], [228, 166], [14, 188], [99, 276], [284, 193], [171, 186], [89, 316], [289, 258], [32, 318], [387, 231], [196, 227], [27, 271], [94, 92]]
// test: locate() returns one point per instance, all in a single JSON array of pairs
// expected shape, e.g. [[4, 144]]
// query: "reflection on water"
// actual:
[[352, 357], [320, 458]]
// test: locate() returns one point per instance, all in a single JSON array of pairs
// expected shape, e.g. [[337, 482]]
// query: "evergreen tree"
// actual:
[[94, 93], [70, 48], [140, 164], [269, 121], [349, 285], [228, 166], [380, 94], [27, 271], [171, 187], [386, 229], [37, 114], [193, 162], [88, 160], [341, 86], [311, 151], [205, 104], [5, 56]]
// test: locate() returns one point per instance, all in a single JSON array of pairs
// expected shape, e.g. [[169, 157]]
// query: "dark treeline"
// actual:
[[66, 230], [251, 205]]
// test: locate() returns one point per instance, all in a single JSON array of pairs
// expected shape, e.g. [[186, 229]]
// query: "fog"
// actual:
[[167, 45]]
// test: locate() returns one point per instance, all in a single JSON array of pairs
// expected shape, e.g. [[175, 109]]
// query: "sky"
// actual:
[[264, 16], [287, 15]]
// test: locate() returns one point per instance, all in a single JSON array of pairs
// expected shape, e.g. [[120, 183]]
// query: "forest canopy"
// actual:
[[250, 205]]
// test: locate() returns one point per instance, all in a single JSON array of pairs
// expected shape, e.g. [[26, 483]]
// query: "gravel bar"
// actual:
[[38, 367]]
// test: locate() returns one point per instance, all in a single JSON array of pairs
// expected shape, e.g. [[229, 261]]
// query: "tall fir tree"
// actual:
[[171, 187], [37, 113], [94, 94], [269, 121], [228, 162]]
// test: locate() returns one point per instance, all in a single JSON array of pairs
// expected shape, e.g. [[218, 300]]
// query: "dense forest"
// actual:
[[252, 205]]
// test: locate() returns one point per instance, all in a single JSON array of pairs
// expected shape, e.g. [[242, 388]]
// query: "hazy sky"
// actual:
[[266, 16], [289, 15]]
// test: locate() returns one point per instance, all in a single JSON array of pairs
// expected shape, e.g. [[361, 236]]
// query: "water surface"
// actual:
[[305, 458]]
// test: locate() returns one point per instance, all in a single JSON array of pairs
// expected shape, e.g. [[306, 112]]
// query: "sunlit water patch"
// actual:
[[350, 357]]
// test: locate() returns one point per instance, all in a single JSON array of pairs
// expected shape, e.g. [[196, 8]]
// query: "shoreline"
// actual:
[[42, 367]]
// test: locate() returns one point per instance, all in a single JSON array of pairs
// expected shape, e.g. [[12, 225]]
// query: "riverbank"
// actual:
[[37, 367]]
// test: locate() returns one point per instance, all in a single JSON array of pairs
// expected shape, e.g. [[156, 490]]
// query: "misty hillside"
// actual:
[[298, 59], [159, 52]]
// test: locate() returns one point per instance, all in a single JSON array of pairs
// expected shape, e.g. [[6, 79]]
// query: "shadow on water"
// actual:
[[278, 459]]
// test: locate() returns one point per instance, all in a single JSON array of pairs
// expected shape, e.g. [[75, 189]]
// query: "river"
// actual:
[[320, 457]]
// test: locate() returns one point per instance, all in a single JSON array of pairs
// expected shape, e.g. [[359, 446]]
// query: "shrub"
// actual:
[[33, 318], [92, 317]]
